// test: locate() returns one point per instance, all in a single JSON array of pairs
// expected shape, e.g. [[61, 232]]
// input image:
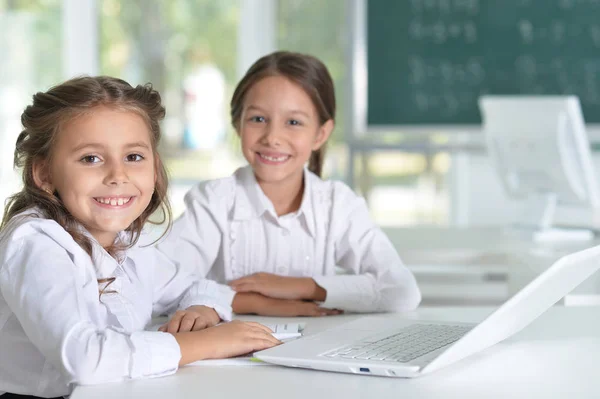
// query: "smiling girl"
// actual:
[[275, 231], [76, 291]]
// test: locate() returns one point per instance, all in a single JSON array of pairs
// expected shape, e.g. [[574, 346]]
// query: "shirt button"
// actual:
[[308, 258], [285, 233], [232, 235], [281, 270]]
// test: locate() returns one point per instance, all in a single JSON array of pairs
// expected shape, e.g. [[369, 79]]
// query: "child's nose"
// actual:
[[116, 175], [271, 135]]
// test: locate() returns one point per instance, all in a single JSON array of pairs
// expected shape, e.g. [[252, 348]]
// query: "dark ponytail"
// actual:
[[316, 160]]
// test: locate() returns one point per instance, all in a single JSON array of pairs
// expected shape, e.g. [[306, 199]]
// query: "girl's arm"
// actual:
[[51, 297], [376, 280], [283, 287], [224, 340], [195, 238], [255, 303]]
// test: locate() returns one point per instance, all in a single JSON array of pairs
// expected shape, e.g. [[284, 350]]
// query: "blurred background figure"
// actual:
[[204, 103]]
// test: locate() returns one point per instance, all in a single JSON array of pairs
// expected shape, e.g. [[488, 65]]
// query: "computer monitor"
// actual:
[[540, 149]]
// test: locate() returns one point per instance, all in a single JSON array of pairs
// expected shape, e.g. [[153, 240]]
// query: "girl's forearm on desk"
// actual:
[[191, 351], [248, 302], [255, 303], [223, 341], [314, 291]]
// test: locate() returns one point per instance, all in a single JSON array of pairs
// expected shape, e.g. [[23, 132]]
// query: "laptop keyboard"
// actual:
[[407, 344]]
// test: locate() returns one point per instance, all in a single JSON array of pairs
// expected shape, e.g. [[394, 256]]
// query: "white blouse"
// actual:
[[230, 229], [55, 331]]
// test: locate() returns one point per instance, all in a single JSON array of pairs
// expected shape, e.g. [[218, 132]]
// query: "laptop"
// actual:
[[396, 347]]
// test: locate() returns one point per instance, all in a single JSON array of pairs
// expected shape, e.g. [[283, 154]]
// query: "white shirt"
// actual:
[[56, 332], [230, 229]]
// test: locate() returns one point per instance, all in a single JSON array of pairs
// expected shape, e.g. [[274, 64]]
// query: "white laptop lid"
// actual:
[[525, 306]]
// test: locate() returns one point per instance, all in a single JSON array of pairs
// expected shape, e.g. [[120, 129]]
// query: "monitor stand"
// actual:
[[537, 222]]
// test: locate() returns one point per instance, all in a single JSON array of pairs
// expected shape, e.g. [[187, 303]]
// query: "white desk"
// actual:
[[555, 357], [490, 253], [480, 245]]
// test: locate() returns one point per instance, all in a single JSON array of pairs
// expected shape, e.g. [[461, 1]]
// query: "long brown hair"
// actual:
[[306, 71], [42, 121]]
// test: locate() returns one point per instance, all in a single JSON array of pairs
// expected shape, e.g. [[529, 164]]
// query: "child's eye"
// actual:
[[257, 119], [294, 122], [134, 158], [90, 159]]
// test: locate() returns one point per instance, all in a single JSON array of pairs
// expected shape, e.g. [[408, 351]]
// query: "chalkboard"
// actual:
[[430, 60]]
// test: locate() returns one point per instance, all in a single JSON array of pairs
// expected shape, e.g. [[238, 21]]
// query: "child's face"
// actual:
[[279, 129], [103, 170]]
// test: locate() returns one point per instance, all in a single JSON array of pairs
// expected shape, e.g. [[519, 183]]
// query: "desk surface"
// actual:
[[555, 357], [483, 250], [469, 245]]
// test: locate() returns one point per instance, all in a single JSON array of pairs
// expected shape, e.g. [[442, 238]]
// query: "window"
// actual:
[[319, 28], [30, 38], [188, 50]]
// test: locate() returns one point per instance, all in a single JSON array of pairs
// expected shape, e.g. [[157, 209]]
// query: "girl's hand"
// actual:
[[253, 303], [281, 287], [225, 340], [193, 318], [292, 308]]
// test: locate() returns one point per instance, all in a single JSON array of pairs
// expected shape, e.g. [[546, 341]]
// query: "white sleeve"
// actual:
[[179, 288], [43, 288], [376, 280], [195, 237]]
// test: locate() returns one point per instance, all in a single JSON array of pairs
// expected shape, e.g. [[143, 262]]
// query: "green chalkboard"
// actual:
[[430, 60]]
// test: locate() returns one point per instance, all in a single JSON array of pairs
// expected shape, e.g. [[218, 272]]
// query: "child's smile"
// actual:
[[114, 202], [272, 158]]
